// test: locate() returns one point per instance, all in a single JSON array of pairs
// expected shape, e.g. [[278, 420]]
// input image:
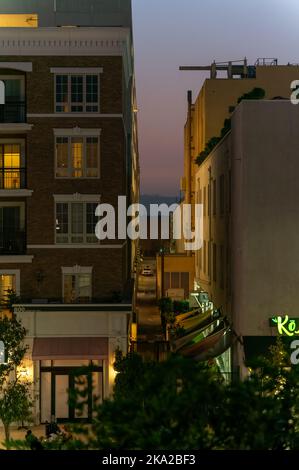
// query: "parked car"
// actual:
[[147, 271]]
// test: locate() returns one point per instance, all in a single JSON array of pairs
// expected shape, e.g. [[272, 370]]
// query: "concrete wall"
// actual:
[[259, 160], [265, 149]]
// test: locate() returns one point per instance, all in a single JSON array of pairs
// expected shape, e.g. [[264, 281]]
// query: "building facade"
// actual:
[[68, 141], [248, 263], [234, 265]]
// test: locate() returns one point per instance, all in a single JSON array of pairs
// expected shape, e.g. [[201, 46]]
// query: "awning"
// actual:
[[69, 348]]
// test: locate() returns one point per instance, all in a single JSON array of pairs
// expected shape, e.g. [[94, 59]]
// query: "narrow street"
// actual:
[[149, 320]]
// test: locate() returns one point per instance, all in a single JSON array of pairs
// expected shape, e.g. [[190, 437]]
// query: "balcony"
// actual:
[[13, 178], [12, 243], [14, 112]]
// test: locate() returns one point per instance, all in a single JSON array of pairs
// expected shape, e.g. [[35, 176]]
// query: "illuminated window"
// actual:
[[7, 285], [19, 21], [77, 288], [77, 93], [11, 172], [76, 222], [77, 157]]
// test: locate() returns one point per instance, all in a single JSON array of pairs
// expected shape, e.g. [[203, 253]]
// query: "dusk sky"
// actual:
[[170, 33]]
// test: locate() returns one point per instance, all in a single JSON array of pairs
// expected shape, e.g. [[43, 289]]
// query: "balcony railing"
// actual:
[[12, 243], [13, 178], [14, 112]]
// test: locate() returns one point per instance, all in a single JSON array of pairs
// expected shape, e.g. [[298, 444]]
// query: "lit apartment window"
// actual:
[[77, 157], [205, 256], [76, 222], [7, 283], [12, 171], [77, 93], [77, 288]]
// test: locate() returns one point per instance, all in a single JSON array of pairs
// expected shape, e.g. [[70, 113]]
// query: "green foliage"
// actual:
[[10, 298], [12, 333], [255, 94], [166, 310], [180, 306], [180, 404], [15, 402]]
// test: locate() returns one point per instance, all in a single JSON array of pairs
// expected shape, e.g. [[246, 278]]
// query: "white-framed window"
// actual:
[[12, 164], [77, 156], [76, 222], [77, 93], [9, 281], [77, 284]]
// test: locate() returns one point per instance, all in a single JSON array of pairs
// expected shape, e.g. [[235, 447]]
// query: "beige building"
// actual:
[[217, 100], [249, 188]]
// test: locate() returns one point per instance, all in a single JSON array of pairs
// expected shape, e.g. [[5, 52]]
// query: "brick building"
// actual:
[[68, 141]]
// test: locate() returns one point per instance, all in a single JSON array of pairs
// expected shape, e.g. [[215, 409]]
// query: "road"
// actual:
[[149, 320]]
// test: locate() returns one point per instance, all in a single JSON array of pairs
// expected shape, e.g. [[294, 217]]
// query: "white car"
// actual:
[[147, 272]]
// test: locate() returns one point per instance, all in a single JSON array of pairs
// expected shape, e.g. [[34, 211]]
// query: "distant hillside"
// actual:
[[147, 199]]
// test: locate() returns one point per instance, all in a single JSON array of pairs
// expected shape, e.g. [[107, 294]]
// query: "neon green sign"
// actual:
[[286, 326]]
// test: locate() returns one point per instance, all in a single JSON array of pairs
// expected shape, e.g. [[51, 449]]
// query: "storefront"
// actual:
[[71, 351]]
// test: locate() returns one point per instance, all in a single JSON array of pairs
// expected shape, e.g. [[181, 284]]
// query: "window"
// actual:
[[12, 174], [12, 233], [222, 267], [77, 93], [209, 259], [77, 288], [205, 256], [177, 280], [229, 191], [76, 222], [214, 262], [222, 195], [77, 157], [214, 197], [8, 282], [209, 200], [204, 201]]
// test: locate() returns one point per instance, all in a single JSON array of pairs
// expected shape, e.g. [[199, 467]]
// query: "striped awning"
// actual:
[[69, 348]]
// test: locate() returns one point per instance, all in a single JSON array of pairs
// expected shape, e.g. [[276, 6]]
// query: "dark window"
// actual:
[[214, 262], [214, 197], [222, 195], [222, 267]]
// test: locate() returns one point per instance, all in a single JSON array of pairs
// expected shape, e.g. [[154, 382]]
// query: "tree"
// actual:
[[15, 402]]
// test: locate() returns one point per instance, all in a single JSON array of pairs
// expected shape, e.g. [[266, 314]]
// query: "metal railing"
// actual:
[[13, 178], [12, 243], [14, 112]]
